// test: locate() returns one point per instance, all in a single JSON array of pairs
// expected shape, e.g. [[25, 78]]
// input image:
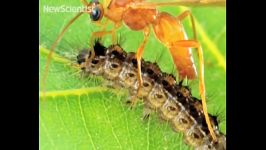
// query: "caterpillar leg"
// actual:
[[146, 112]]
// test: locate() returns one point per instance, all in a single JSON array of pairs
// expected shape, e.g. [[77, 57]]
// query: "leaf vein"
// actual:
[[129, 135], [61, 119], [148, 135], [84, 122], [112, 128], [73, 92], [46, 132]]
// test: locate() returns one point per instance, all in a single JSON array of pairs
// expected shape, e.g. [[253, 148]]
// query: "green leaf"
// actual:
[[80, 113]]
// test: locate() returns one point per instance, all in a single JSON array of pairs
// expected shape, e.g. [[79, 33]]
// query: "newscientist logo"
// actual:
[[63, 9]]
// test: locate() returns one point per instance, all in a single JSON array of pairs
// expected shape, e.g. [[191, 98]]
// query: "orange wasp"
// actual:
[[140, 15]]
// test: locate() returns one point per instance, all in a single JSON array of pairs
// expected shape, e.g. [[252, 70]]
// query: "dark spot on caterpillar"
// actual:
[[214, 119], [95, 61], [204, 124], [81, 61], [115, 53], [99, 49], [171, 90], [171, 75], [187, 88], [193, 111], [179, 95], [150, 72], [171, 108], [114, 65], [134, 62], [168, 83], [184, 121], [182, 100], [196, 136], [81, 58], [159, 96], [145, 84], [215, 142], [209, 146], [200, 119], [89, 54], [118, 55], [165, 83], [131, 75]]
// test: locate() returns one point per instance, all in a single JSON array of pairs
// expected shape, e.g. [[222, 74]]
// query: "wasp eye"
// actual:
[[96, 14]]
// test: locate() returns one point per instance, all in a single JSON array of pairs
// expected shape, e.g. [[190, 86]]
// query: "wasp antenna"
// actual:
[[53, 47]]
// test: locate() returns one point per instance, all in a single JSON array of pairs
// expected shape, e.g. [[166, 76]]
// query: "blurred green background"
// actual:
[[78, 113]]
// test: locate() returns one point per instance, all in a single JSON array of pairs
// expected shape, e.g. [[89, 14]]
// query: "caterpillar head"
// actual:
[[92, 60]]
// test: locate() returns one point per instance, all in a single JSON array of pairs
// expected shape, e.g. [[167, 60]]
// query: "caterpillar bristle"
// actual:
[[161, 93]]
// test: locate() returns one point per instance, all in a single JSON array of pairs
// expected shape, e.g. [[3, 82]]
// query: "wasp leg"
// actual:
[[138, 57], [195, 44]]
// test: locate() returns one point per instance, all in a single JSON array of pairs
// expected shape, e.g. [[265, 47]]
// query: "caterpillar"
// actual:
[[160, 92]]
